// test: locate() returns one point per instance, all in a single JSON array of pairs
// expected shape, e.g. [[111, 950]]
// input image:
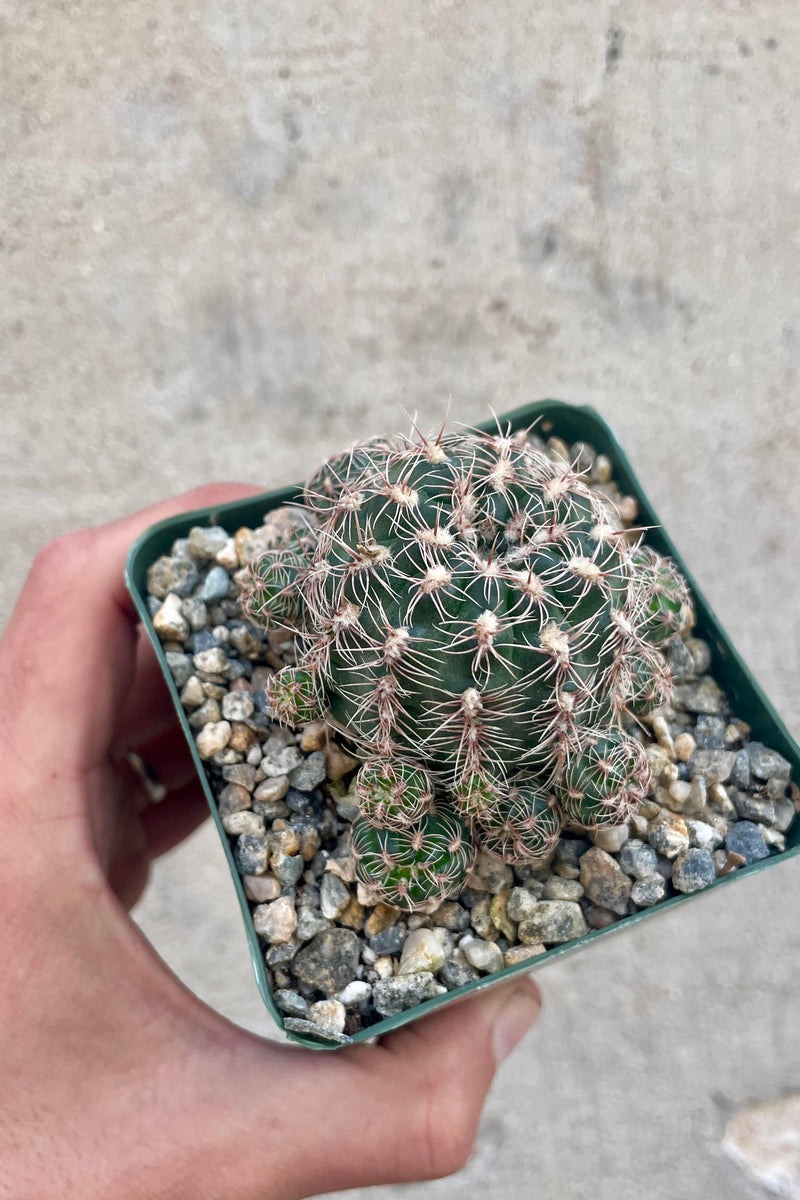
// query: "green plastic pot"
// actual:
[[572, 423]]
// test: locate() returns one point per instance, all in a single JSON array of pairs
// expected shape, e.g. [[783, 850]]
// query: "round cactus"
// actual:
[[392, 794], [604, 779], [427, 861], [522, 828], [469, 608]]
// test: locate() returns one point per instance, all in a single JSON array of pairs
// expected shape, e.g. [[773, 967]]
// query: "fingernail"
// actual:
[[513, 1021]]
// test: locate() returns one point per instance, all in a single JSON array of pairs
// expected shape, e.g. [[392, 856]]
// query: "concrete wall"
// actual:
[[236, 236]]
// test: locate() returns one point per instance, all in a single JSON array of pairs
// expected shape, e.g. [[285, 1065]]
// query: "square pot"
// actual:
[[571, 423]]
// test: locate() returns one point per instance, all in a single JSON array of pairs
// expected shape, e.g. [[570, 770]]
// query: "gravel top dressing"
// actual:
[[337, 961]]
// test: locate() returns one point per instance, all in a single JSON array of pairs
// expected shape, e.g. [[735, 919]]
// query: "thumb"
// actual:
[[403, 1110]]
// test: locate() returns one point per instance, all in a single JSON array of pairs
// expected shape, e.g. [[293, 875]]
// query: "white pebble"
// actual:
[[276, 921], [422, 951], [212, 738], [356, 992], [328, 1014], [243, 822]]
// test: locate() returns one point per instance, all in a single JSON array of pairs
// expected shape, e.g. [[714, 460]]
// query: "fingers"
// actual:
[[406, 1109], [64, 694]]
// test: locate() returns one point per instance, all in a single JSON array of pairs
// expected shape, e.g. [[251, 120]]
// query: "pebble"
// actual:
[[679, 657], [423, 950], [276, 921], [753, 806], [287, 867], [693, 870], [215, 585], [389, 941], [195, 612], [714, 765], [638, 859], [334, 895], [685, 746], [604, 881], [521, 904], [180, 666], [454, 974], [746, 839], [233, 799], [169, 622], [612, 838], [241, 774], [237, 706], [356, 992], [450, 915], [212, 662], [176, 574], [192, 695], [556, 888], [278, 759], [328, 1014], [740, 773], [243, 822], [309, 773], [766, 763], [481, 919], [272, 789], [251, 854], [206, 542], [702, 836], [649, 890], [600, 918], [518, 954], [668, 835], [483, 955], [309, 923], [290, 1002], [500, 919], [700, 696], [297, 1025], [491, 874], [725, 861], [337, 763], [261, 888], [553, 921], [329, 961], [207, 714], [212, 738], [381, 917], [391, 996], [710, 732]]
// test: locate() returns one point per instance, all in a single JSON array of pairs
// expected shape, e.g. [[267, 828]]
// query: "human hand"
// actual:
[[116, 1082]]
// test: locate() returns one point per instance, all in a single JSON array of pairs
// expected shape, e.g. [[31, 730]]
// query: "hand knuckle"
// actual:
[[448, 1121]]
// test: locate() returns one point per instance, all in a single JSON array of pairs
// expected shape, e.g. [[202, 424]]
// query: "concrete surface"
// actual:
[[237, 236]]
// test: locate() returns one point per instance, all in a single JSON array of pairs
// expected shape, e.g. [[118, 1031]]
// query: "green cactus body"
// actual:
[[522, 827], [604, 779], [393, 794], [469, 607], [424, 863]]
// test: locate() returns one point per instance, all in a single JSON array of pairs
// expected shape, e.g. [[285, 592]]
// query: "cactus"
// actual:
[[471, 616]]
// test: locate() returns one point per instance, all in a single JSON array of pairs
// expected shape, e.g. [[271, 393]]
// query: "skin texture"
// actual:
[[115, 1081]]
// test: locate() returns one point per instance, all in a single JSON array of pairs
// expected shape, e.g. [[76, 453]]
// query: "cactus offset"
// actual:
[[467, 608]]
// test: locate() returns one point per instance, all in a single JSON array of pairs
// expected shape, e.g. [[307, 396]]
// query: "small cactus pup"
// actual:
[[474, 618]]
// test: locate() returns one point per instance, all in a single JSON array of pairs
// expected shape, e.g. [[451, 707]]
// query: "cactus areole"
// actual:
[[476, 621]]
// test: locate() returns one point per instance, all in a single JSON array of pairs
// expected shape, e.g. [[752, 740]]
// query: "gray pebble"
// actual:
[[714, 765], [569, 850], [195, 612], [287, 867], [389, 941], [178, 575], [637, 859], [693, 870], [241, 773], [648, 890], [521, 904], [309, 773], [205, 542], [237, 706], [310, 922], [212, 662], [746, 839], [680, 660], [451, 916], [553, 921], [334, 895], [291, 1003], [455, 974], [740, 772], [604, 882], [298, 1025], [215, 585], [180, 666], [329, 961], [766, 763], [394, 995], [202, 640], [251, 854], [282, 953], [482, 955], [753, 806], [557, 888], [699, 696], [709, 733]]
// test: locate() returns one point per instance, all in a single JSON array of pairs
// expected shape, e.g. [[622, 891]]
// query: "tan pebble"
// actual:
[[663, 735], [192, 695], [337, 763], [381, 917], [612, 838], [518, 954], [384, 967], [328, 1014], [345, 868], [243, 738], [212, 738], [243, 822], [732, 736], [500, 917], [726, 861], [628, 509], [602, 469], [261, 888], [685, 746], [679, 792], [276, 921], [352, 915], [285, 840], [169, 621], [313, 736], [272, 789]]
